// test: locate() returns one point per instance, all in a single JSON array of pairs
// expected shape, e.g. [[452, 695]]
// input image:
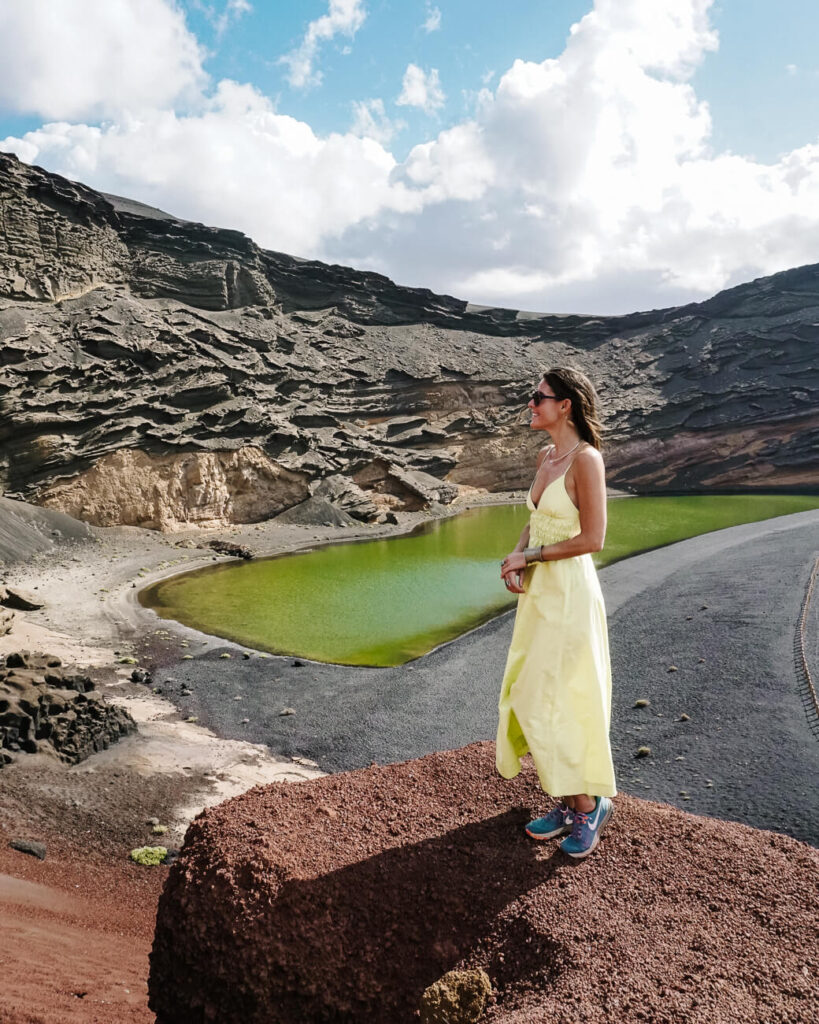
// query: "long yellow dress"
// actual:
[[555, 699]]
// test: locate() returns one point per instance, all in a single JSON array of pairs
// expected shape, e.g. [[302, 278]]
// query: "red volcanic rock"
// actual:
[[344, 898]]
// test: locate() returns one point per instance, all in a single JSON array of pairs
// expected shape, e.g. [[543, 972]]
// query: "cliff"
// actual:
[[158, 372]]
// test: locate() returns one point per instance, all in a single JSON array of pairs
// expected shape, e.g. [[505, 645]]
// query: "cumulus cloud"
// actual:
[[344, 17], [433, 19], [236, 164], [421, 89], [91, 59], [370, 121], [592, 174], [587, 182]]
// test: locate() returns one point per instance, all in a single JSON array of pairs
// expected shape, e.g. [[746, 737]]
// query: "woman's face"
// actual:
[[549, 410]]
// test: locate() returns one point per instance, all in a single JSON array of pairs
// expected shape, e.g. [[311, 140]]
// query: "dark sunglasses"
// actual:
[[538, 397]]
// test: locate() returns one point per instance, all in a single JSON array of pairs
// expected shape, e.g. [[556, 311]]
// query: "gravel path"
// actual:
[[722, 608]]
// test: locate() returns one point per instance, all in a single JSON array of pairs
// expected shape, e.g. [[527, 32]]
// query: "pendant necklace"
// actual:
[[569, 452]]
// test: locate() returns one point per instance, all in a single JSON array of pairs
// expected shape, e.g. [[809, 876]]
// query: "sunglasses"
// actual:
[[537, 397]]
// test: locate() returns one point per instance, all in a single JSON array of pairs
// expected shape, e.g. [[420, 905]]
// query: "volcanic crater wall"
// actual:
[[164, 373]]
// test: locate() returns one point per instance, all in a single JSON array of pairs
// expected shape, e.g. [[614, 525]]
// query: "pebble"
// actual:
[[152, 821], [673, 668], [642, 703], [684, 717], [643, 752], [287, 711]]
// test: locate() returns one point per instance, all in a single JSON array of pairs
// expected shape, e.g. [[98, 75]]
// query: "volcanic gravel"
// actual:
[[343, 898]]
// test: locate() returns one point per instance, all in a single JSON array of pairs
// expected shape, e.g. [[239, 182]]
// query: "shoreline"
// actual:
[[91, 617], [107, 628]]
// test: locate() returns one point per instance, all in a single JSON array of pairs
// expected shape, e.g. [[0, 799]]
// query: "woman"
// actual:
[[555, 698]]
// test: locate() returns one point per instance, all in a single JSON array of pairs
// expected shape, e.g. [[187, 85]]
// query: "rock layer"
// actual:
[[126, 330], [344, 898]]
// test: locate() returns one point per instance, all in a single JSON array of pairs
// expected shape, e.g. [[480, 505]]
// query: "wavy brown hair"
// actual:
[[566, 382]]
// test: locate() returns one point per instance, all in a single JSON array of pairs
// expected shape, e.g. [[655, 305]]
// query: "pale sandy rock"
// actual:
[[171, 492]]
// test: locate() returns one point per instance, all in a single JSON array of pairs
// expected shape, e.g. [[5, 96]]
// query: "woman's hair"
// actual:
[[567, 382]]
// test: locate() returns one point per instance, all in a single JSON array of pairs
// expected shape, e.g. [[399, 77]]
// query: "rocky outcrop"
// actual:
[[44, 709], [168, 492], [124, 330], [346, 898]]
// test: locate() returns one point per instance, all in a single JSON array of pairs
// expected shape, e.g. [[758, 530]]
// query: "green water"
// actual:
[[384, 602]]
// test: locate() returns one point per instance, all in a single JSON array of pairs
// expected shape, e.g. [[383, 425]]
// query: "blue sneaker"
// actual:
[[586, 829], [556, 823]]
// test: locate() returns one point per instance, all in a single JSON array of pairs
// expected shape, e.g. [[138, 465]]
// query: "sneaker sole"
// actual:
[[549, 835], [596, 840]]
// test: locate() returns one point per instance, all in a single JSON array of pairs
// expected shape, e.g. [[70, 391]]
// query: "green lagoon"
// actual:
[[385, 602]]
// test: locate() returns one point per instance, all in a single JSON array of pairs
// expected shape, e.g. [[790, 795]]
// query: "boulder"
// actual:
[[30, 846], [20, 599], [347, 496], [457, 998], [46, 710]]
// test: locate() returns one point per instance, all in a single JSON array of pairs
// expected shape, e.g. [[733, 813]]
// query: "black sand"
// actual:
[[721, 608]]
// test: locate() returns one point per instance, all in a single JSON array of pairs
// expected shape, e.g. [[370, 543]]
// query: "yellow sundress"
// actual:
[[555, 699]]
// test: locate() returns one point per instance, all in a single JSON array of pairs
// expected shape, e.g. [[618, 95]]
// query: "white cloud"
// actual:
[[433, 18], [344, 17], [237, 164], [89, 59], [421, 89], [587, 182], [370, 121], [232, 11]]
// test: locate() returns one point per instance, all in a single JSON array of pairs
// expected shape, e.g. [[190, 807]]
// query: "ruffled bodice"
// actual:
[[555, 518]]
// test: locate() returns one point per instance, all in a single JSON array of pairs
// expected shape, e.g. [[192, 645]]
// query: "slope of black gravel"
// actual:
[[721, 609]]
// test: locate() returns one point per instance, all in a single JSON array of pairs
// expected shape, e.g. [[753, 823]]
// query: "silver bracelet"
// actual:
[[533, 555]]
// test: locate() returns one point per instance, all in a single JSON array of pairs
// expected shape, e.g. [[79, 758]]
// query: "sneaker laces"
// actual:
[[580, 819]]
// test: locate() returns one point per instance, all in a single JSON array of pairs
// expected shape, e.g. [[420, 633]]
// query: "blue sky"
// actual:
[[664, 153]]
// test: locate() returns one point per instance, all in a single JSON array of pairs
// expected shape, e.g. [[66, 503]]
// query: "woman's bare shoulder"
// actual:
[[589, 461]]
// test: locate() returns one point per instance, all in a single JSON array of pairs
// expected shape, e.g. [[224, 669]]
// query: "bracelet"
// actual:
[[533, 555]]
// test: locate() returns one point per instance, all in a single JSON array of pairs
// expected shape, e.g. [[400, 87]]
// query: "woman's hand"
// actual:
[[512, 570]]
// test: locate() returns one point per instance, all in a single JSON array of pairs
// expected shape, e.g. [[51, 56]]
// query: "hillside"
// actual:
[[157, 372]]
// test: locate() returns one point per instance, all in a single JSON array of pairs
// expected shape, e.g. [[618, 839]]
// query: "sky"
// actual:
[[590, 156]]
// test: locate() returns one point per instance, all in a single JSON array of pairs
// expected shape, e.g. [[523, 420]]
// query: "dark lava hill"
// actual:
[[158, 372]]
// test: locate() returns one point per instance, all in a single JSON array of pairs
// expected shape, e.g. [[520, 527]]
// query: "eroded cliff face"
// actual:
[[170, 492], [139, 351]]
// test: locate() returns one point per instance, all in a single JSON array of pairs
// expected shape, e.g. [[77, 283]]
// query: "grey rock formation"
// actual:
[[46, 710], [162, 373]]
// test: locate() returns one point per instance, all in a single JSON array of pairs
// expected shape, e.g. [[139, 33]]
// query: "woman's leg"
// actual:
[[582, 802]]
